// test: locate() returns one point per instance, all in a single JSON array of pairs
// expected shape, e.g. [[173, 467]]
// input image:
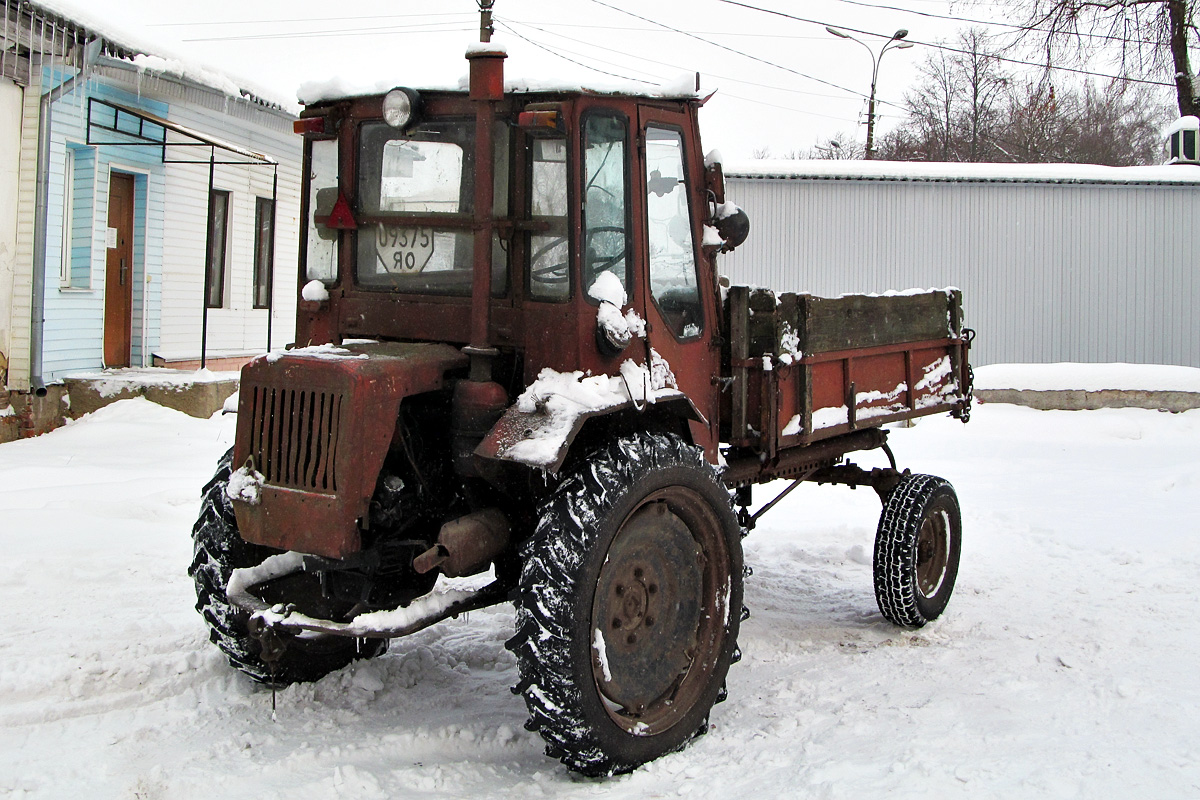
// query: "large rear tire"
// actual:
[[917, 548], [629, 605], [219, 550]]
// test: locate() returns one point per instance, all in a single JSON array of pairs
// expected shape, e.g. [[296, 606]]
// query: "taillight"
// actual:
[[311, 125]]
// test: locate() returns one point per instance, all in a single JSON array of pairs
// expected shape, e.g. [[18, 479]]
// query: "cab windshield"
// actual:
[[415, 193]]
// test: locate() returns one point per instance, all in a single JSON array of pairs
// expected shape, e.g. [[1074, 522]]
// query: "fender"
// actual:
[[541, 437], [314, 426]]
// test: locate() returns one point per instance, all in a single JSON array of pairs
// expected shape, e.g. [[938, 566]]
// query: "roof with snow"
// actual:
[[926, 171], [71, 21]]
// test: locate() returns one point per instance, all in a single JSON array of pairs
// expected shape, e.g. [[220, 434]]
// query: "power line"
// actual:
[[507, 25], [667, 64], [738, 52], [510, 29], [1024, 28], [948, 48]]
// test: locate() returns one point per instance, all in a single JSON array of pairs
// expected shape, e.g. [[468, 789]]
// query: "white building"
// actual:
[[1056, 262], [106, 205]]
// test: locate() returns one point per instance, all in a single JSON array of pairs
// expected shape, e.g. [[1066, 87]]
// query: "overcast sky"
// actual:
[[781, 83]]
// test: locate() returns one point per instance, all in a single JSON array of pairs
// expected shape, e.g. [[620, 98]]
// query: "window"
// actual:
[[549, 253], [320, 261], [605, 237], [673, 280], [218, 227], [264, 250], [76, 259]]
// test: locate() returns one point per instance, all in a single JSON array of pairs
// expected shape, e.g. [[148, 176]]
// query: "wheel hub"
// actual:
[[648, 609], [933, 553]]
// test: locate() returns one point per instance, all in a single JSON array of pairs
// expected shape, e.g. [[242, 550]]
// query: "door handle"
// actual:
[[123, 269]]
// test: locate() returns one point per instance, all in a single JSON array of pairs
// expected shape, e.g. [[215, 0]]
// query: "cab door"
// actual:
[[678, 292]]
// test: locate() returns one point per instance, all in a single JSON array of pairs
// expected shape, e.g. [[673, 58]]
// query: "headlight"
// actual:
[[400, 107]]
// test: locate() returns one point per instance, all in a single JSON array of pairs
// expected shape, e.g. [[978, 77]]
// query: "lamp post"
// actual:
[[893, 43]]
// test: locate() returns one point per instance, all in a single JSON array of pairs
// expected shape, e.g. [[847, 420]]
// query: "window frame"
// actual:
[[264, 251], [628, 200], [216, 270], [696, 267]]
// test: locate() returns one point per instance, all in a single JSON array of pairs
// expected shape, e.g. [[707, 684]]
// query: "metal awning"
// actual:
[[130, 127], [113, 125]]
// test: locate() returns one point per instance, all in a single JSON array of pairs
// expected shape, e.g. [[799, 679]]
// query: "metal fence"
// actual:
[[1050, 271]]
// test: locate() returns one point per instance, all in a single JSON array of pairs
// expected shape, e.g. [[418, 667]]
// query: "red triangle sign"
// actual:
[[341, 217]]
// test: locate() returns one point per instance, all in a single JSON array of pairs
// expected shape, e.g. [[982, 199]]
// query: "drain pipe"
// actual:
[[41, 212]]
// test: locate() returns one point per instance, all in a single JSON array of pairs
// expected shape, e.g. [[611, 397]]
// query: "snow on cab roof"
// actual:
[[928, 171], [340, 88], [148, 56]]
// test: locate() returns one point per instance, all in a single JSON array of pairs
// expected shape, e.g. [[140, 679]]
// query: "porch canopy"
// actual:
[[110, 124]]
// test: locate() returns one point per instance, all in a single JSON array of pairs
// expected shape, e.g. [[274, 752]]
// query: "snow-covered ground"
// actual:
[[1066, 664]]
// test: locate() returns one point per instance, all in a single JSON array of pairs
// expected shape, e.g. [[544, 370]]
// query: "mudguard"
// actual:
[[539, 434]]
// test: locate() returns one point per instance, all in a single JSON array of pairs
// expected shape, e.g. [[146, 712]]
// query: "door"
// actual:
[[118, 271], [679, 298]]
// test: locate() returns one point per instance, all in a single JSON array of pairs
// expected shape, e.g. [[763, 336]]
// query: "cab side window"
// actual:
[[549, 253], [674, 283], [605, 198]]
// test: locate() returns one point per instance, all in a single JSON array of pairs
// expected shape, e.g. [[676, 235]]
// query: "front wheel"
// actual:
[[917, 548], [629, 605], [218, 550]]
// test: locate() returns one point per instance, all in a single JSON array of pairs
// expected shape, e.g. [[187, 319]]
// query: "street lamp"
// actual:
[[893, 43]]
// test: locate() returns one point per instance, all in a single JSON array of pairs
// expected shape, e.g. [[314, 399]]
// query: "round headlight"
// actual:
[[400, 107]]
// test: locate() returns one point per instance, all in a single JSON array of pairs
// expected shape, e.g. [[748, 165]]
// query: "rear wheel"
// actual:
[[218, 551], [629, 605], [917, 549]]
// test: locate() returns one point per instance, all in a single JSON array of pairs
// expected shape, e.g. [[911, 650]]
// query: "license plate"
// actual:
[[403, 250]]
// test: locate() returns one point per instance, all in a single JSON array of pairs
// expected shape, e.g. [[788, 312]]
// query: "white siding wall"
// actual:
[[1049, 272], [22, 287], [11, 99], [237, 327]]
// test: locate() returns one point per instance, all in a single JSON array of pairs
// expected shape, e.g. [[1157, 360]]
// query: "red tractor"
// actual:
[[514, 356]]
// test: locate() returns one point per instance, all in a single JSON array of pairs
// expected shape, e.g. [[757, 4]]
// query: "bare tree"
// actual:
[[1149, 36]]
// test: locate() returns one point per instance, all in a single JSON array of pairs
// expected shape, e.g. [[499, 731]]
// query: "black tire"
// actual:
[[218, 551], [629, 605], [917, 548]]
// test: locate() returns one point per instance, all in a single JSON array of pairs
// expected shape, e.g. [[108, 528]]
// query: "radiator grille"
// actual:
[[294, 437]]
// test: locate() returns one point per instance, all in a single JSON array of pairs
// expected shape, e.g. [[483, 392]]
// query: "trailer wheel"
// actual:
[[218, 550], [917, 549], [629, 605]]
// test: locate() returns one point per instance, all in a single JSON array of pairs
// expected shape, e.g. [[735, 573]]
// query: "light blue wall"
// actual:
[[73, 333]]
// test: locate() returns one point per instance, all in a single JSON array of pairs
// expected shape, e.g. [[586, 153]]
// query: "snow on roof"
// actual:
[[1188, 123], [149, 56], [338, 87], [960, 172]]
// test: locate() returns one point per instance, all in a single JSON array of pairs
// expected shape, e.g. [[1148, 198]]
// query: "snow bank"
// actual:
[[1088, 377], [1065, 665], [932, 171]]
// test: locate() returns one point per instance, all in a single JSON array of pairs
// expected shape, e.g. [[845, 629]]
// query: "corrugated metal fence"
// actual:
[[1050, 271]]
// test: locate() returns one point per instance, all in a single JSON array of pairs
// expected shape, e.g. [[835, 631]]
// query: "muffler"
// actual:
[[466, 545]]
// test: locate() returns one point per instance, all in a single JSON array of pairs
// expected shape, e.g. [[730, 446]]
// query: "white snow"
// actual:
[[1187, 123], [602, 654], [245, 484], [560, 399], [314, 292], [339, 87], [1065, 665], [321, 351], [937, 171], [111, 382], [1088, 377], [608, 288]]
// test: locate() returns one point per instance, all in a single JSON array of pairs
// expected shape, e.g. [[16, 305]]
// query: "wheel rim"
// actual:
[[933, 552], [659, 612]]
